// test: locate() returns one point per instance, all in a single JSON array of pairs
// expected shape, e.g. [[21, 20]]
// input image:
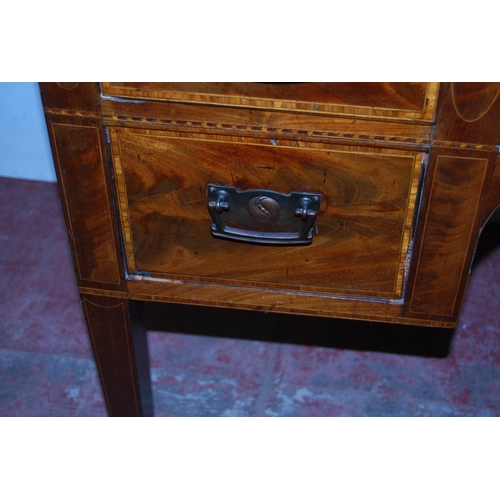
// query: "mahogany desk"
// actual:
[[361, 201]]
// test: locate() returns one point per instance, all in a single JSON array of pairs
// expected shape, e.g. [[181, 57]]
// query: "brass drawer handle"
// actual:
[[262, 216]]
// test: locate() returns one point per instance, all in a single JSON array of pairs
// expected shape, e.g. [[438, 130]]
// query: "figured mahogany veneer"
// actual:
[[394, 100], [408, 175], [361, 236]]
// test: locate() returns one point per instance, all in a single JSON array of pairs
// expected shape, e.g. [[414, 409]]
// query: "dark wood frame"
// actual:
[[461, 191]]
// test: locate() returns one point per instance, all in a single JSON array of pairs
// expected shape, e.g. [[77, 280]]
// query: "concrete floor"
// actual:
[[230, 363]]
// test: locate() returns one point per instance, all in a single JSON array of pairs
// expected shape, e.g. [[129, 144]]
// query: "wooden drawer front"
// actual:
[[362, 231], [407, 101]]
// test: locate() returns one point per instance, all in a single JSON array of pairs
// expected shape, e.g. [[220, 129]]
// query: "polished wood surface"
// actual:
[[89, 213], [456, 188], [408, 173], [361, 236], [120, 347], [254, 122], [408, 101]]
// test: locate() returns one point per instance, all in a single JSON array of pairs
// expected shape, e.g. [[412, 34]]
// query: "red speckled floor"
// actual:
[[230, 363]]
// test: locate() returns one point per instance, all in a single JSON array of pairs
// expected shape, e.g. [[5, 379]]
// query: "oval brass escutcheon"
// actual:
[[264, 208]]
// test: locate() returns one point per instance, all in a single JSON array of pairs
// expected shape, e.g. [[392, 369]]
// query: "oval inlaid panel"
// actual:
[[68, 85], [473, 100]]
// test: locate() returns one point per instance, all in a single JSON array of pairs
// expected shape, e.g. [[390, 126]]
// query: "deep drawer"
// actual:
[[361, 236]]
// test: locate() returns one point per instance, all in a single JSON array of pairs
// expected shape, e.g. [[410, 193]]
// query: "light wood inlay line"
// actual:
[[486, 102], [425, 114], [464, 197], [459, 145], [317, 134], [121, 191], [68, 112], [99, 310], [81, 162], [102, 292]]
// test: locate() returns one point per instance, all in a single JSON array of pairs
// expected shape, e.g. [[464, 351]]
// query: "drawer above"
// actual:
[[360, 238], [397, 101]]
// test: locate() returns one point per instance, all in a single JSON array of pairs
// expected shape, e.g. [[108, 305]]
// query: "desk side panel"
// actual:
[[82, 165]]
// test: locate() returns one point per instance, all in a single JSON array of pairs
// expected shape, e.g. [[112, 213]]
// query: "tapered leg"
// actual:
[[120, 348]]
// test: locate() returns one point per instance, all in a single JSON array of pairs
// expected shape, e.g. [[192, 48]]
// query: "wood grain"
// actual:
[[472, 101], [83, 98], [257, 123], [407, 101], [280, 301], [468, 113], [449, 229], [362, 232], [81, 162], [409, 174], [492, 198], [120, 348], [78, 157]]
